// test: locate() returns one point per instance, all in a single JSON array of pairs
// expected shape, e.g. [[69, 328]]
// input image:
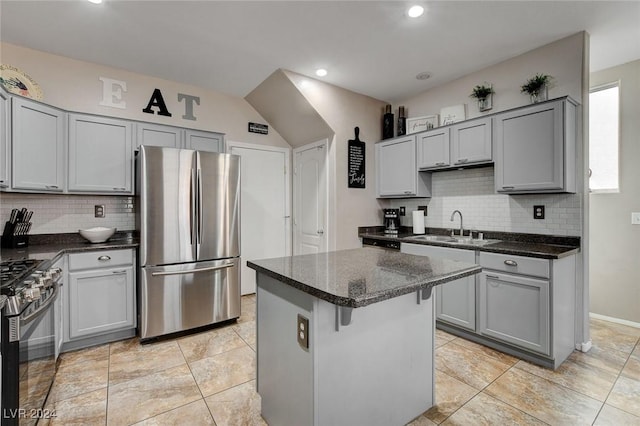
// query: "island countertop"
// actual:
[[359, 277]]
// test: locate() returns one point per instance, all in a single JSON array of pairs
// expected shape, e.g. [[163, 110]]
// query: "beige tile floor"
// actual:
[[209, 379]]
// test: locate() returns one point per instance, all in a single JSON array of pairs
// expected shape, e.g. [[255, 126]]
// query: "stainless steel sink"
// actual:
[[439, 238], [451, 240]]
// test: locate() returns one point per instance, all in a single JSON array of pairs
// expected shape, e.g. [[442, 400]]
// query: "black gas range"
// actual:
[[29, 336]]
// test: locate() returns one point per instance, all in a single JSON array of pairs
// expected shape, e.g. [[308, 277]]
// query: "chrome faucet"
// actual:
[[461, 227]]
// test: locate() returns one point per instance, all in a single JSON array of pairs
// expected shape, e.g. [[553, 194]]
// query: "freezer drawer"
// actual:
[[181, 297]]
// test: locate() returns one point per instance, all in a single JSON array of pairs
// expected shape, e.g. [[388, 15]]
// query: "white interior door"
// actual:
[[310, 198], [265, 222]]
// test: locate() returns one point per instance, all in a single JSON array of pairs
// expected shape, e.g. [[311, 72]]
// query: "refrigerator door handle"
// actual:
[[199, 204], [191, 271], [192, 207]]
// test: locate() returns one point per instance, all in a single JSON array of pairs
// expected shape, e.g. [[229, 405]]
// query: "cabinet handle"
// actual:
[[104, 258], [511, 263], [495, 277], [408, 192], [462, 160], [508, 187], [440, 164], [51, 186], [119, 272], [120, 189]]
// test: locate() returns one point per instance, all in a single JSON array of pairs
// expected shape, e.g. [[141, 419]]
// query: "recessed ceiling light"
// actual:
[[321, 72], [415, 11], [423, 75], [95, 1]]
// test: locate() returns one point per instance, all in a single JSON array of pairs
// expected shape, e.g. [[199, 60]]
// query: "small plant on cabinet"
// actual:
[[483, 93], [537, 87]]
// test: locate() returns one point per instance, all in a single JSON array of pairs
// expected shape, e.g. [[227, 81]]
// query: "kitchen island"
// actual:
[[347, 337]]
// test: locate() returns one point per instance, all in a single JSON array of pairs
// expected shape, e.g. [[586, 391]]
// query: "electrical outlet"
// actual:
[[303, 332], [423, 208], [99, 210], [538, 212], [402, 212], [635, 218]]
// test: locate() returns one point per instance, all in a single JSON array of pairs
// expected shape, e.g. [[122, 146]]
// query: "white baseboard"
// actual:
[[615, 320], [584, 347]]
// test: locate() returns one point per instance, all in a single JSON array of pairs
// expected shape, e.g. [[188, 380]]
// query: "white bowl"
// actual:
[[98, 234]]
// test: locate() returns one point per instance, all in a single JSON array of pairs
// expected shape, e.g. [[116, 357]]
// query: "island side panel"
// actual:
[[284, 369], [379, 369]]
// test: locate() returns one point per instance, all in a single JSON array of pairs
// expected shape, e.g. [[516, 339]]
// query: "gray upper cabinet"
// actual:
[[433, 149], [159, 135], [100, 155], [471, 142], [535, 148], [5, 135], [204, 141], [458, 145], [397, 172], [38, 146]]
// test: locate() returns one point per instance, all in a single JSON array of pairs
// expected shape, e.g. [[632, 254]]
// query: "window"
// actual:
[[604, 120]]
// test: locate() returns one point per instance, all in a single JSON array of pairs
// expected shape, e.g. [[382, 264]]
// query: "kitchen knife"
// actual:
[[28, 228], [23, 212], [14, 216], [28, 217]]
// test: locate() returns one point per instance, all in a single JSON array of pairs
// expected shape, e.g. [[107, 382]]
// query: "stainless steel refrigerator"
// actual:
[[189, 256]]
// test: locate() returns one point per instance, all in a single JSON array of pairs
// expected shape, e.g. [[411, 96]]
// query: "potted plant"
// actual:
[[537, 87], [483, 93]]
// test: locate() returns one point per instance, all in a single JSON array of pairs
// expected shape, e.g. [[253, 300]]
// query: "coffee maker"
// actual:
[[391, 221]]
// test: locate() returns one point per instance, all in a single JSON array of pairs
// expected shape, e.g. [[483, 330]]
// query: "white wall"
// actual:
[[74, 85], [614, 265]]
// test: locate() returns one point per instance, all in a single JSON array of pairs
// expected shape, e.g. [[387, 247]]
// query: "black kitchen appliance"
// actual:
[[391, 221], [29, 336]]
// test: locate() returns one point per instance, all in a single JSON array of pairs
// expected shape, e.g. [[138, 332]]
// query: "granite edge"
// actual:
[[359, 302], [527, 251]]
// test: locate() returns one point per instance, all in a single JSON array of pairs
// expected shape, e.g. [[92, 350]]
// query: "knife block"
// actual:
[[15, 241]]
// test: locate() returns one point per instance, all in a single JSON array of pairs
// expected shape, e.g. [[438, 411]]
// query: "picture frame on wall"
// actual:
[[420, 124], [452, 114]]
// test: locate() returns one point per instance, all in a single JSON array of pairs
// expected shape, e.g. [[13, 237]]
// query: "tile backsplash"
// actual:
[[472, 192], [54, 214]]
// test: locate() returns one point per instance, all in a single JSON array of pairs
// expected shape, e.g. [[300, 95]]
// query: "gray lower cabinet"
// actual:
[[528, 303], [100, 155], [38, 146], [100, 294], [515, 309], [521, 305], [455, 300]]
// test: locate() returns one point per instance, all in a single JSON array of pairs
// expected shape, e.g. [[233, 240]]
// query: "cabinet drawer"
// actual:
[[100, 259], [515, 264]]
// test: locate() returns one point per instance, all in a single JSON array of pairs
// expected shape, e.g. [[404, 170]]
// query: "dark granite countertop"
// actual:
[[52, 246], [360, 277], [530, 245]]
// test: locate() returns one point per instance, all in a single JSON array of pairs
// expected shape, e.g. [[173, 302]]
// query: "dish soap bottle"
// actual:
[[387, 123]]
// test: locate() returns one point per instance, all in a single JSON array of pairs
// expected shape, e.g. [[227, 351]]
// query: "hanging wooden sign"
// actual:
[[356, 162]]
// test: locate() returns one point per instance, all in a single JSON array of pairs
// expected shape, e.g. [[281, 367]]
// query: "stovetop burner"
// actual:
[[12, 272]]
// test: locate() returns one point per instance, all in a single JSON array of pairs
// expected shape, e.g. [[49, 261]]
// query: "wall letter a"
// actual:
[[157, 101]]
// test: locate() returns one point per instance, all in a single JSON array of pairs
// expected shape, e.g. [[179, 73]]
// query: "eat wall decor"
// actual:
[[112, 96]]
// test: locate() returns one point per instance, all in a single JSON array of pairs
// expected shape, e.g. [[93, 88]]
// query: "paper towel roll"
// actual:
[[418, 222]]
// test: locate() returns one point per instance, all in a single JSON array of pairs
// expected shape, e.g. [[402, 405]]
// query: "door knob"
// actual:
[[320, 232]]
